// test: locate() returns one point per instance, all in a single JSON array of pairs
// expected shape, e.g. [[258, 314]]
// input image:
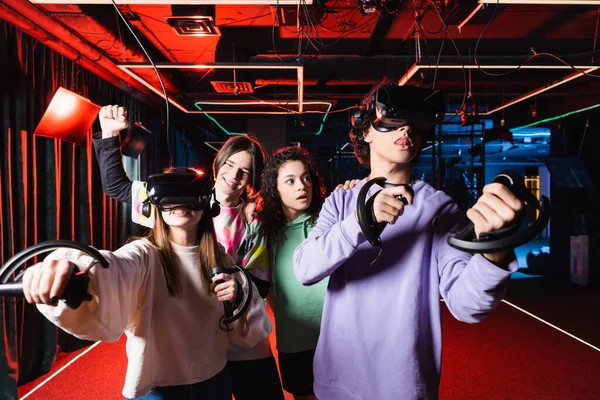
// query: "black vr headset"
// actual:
[[183, 187], [392, 107]]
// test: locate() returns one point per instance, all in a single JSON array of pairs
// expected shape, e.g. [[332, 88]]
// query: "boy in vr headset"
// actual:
[[381, 330]]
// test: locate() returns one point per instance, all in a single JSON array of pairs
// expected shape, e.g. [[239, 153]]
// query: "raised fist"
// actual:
[[113, 119]]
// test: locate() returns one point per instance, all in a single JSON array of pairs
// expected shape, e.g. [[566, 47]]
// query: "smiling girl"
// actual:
[[237, 168]]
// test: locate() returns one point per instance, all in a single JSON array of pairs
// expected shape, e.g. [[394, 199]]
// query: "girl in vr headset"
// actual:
[[158, 292], [236, 169], [291, 197]]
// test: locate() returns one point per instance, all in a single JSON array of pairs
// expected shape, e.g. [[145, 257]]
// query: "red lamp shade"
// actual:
[[69, 117]]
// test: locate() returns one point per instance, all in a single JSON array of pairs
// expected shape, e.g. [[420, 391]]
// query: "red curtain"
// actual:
[[49, 189]]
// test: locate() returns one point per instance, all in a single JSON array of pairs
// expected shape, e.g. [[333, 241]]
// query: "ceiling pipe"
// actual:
[[31, 29], [41, 19]]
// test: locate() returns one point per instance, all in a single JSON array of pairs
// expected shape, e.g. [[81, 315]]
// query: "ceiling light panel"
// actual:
[[194, 26], [232, 87]]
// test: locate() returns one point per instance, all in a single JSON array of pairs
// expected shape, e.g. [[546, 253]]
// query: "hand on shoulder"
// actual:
[[349, 184]]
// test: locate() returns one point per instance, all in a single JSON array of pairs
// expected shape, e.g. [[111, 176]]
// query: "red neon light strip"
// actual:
[[11, 361], [25, 185], [57, 154], [25, 213], [35, 196], [10, 195], [89, 188]]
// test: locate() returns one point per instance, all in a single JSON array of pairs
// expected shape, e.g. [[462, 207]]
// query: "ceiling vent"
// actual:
[[232, 87], [194, 26]]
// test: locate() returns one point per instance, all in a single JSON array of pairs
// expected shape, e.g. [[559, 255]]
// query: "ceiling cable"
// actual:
[[160, 80]]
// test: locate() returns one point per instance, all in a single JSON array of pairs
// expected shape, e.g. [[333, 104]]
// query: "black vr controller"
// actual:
[[506, 238], [181, 187], [229, 307], [365, 214], [75, 292], [488, 242]]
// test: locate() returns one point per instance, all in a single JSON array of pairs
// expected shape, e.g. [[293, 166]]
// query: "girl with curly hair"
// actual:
[[292, 194]]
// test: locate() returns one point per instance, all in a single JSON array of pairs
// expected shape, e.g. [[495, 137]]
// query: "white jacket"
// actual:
[[170, 340]]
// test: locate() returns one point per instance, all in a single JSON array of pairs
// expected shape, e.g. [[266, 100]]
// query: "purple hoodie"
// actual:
[[381, 332]]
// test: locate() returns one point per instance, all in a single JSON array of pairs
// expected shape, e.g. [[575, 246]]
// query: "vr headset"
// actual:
[[391, 107], [182, 186]]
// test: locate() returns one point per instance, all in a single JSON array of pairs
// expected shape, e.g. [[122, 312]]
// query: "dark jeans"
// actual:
[[297, 372], [256, 379], [216, 388]]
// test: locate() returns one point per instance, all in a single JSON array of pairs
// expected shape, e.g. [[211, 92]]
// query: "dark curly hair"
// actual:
[[362, 151], [269, 206]]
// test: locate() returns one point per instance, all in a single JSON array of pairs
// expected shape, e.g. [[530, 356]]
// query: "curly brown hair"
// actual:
[[269, 206], [362, 151]]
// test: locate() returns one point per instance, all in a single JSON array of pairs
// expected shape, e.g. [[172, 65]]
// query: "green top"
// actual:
[[297, 308]]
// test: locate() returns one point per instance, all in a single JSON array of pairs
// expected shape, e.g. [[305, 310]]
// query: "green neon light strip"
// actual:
[[555, 118], [252, 103]]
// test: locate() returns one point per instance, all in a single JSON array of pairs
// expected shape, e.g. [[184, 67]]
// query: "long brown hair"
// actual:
[[252, 146], [209, 254]]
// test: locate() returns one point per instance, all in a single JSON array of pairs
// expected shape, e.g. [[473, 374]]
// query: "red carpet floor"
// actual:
[[509, 356]]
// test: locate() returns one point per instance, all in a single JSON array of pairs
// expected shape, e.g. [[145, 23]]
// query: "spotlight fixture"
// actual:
[[69, 117]]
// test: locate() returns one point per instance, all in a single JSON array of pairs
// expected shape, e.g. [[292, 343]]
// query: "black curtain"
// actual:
[[51, 189]]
